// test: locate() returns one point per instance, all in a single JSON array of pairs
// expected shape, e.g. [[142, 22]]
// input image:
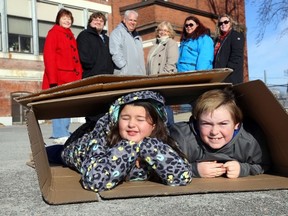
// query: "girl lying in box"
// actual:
[[128, 143]]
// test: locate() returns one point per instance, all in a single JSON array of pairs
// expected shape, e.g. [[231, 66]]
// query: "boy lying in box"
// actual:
[[217, 142]]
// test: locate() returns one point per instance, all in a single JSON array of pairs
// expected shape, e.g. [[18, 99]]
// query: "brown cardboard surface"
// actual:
[[94, 103], [198, 185], [114, 82], [105, 78], [61, 185], [260, 104], [58, 185]]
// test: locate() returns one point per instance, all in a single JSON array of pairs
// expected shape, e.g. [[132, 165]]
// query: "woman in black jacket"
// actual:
[[229, 46]]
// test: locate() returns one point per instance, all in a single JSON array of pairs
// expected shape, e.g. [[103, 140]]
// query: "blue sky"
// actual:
[[271, 55]]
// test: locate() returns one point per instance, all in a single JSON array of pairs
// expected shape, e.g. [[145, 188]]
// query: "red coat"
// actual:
[[61, 58]]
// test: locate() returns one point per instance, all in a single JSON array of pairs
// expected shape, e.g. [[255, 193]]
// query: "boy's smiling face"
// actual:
[[217, 127]]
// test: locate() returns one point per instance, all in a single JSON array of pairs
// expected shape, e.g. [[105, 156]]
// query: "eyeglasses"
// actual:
[[224, 22], [190, 25]]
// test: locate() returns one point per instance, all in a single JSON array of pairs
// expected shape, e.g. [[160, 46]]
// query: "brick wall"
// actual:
[[7, 63], [7, 87]]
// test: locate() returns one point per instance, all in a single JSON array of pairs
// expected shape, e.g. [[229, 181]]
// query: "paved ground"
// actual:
[[20, 195]]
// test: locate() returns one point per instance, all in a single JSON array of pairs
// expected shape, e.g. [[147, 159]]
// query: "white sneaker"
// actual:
[[60, 140]]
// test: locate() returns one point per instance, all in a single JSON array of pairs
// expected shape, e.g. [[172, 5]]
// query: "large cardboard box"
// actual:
[[61, 185]]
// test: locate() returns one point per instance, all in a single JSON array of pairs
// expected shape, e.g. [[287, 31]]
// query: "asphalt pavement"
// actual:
[[20, 194]]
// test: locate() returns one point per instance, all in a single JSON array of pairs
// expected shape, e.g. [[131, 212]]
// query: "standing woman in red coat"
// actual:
[[62, 65]]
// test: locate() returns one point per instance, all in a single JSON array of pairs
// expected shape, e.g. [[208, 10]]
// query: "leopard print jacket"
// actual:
[[103, 167]]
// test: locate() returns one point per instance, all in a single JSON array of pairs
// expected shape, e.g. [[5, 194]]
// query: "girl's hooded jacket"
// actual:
[[61, 59], [103, 167]]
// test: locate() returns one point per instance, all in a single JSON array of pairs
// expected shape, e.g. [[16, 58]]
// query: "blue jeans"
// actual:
[[60, 127]]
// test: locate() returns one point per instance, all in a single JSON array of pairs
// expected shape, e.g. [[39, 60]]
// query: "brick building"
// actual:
[[25, 23]]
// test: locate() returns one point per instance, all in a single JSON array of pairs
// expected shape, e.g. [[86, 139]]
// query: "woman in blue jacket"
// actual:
[[196, 47]]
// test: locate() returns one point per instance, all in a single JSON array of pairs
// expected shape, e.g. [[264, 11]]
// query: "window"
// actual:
[[43, 28], [19, 35]]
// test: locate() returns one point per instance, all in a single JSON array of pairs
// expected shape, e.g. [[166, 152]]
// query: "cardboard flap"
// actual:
[[38, 151], [58, 185], [99, 102], [66, 188], [258, 102], [112, 82]]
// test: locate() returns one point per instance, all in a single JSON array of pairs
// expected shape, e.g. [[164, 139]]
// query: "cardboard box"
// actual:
[[61, 185]]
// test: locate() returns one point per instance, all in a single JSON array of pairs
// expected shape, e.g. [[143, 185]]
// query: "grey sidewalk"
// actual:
[[20, 195]]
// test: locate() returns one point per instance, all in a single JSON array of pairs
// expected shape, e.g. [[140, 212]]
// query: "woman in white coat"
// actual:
[[163, 56]]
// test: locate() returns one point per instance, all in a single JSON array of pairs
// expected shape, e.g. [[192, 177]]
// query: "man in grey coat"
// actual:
[[126, 47]]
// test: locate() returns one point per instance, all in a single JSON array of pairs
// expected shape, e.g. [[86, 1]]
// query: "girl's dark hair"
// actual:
[[63, 12], [160, 131], [199, 31]]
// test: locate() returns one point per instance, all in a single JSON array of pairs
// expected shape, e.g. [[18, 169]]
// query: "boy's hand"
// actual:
[[233, 169], [210, 169]]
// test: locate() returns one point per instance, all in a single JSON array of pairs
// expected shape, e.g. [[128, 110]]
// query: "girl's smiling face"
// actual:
[[134, 124], [217, 127]]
